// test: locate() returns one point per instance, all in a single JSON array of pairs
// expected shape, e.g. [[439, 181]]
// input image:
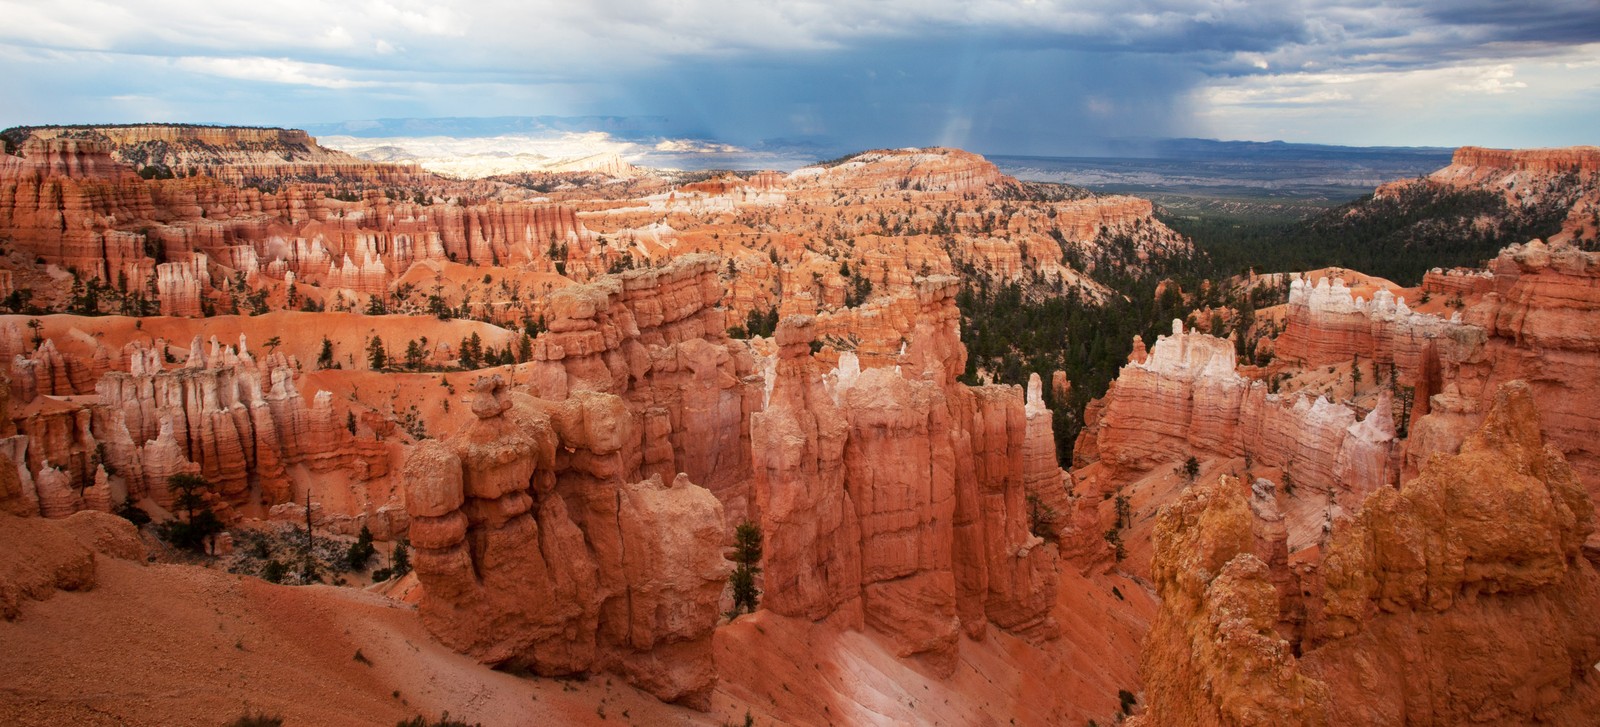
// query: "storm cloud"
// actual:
[[1019, 76]]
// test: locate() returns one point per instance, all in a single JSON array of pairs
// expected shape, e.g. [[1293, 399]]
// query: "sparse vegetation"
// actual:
[[200, 523], [127, 510], [361, 551], [1113, 538], [255, 719], [1041, 518], [443, 721], [400, 559], [747, 563]]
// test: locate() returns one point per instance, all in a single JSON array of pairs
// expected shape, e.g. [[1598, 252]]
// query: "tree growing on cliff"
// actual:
[[1113, 538], [471, 351], [377, 357], [415, 356], [199, 522], [1191, 468], [747, 563], [400, 559], [361, 551], [325, 356]]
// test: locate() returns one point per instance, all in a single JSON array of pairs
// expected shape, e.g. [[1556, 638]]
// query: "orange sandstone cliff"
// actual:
[[1461, 597]]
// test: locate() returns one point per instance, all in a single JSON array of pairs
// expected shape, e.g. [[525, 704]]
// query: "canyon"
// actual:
[[566, 401]]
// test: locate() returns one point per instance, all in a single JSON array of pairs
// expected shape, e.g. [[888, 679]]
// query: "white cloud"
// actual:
[[1453, 104], [1495, 80], [272, 70]]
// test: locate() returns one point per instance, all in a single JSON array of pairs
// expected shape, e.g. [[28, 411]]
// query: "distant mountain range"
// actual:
[[1167, 169]]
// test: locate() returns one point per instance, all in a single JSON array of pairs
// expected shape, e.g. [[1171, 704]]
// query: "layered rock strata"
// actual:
[[897, 498], [627, 580], [1531, 315], [1188, 397], [1462, 597]]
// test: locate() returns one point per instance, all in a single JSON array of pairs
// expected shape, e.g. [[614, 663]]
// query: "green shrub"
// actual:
[[401, 559], [131, 512], [360, 551]]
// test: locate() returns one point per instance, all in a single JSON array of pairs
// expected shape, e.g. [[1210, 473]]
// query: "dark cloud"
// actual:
[[973, 94], [1554, 22], [1051, 76]]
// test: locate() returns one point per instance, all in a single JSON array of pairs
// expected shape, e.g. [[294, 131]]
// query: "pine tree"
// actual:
[[471, 351], [401, 559], [360, 551], [325, 356], [377, 358], [414, 355], [199, 523], [747, 560]]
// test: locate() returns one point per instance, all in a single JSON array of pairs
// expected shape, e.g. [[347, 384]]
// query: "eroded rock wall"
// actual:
[[1461, 597], [1187, 397]]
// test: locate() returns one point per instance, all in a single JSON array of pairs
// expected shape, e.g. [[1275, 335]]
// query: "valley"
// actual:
[[1212, 449]]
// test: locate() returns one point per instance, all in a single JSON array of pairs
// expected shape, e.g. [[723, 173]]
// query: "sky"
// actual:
[[996, 76]]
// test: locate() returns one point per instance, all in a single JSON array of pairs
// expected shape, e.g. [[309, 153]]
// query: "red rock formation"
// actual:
[[849, 535], [1526, 176], [240, 422], [68, 201], [813, 539], [927, 170], [1214, 656], [1457, 282], [237, 154], [1327, 324], [511, 576], [1047, 485], [1461, 597], [1535, 322], [1188, 397], [1471, 163]]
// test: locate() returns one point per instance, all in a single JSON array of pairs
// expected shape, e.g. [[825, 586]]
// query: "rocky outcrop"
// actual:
[[514, 577], [1188, 396], [238, 154], [1214, 655], [39, 557], [656, 339], [1326, 324], [1046, 484], [1474, 165], [925, 170], [72, 198], [898, 498], [1527, 178], [241, 423], [1530, 316], [1543, 325], [1462, 597]]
